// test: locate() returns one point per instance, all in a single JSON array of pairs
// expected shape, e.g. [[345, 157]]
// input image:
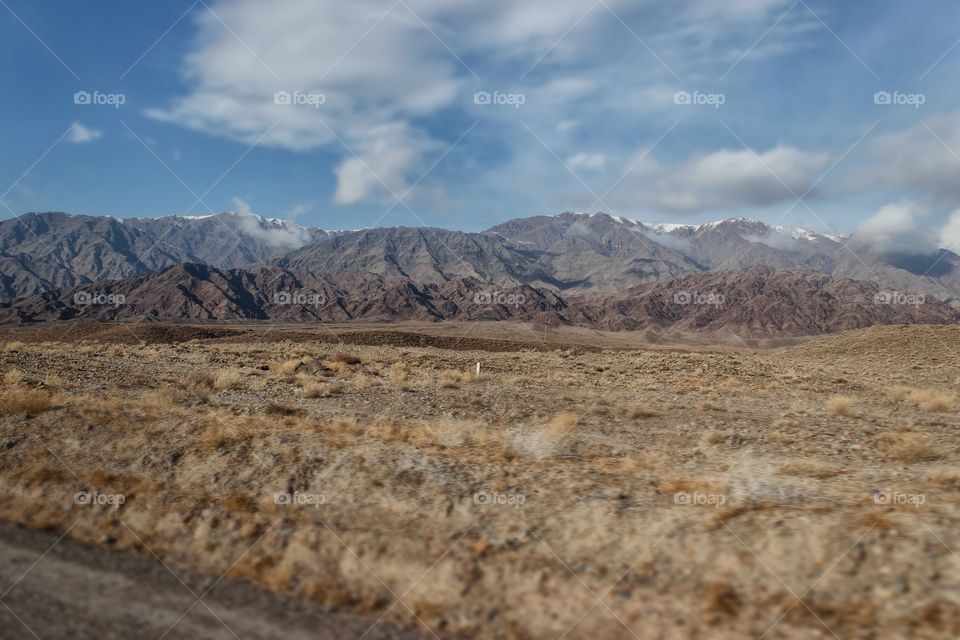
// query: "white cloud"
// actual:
[[378, 171], [243, 207], [385, 77], [896, 228], [298, 210], [80, 134], [373, 88], [273, 232], [949, 234], [919, 159], [721, 180], [587, 161]]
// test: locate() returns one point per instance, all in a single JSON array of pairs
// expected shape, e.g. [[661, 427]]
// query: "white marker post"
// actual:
[[478, 369]]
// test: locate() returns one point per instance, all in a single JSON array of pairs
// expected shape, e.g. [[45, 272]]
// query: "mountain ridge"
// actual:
[[758, 301], [568, 253]]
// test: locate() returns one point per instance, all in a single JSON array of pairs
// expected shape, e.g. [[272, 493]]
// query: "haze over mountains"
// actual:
[[590, 269]]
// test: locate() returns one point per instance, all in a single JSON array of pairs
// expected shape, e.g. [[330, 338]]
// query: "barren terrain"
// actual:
[[581, 486]]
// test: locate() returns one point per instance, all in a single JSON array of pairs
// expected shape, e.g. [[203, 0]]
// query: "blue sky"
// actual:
[[385, 127]]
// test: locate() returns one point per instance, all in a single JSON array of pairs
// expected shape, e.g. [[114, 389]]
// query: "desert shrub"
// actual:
[[227, 379], [398, 373], [53, 381], [199, 382], [363, 380], [24, 400], [286, 367], [321, 390], [909, 447], [840, 406], [638, 413], [341, 369], [450, 379], [926, 399]]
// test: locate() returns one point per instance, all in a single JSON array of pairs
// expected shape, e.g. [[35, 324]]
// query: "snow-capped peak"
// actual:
[[668, 227]]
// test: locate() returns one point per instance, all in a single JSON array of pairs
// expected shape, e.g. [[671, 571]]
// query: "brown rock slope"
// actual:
[[758, 301], [194, 292], [762, 301]]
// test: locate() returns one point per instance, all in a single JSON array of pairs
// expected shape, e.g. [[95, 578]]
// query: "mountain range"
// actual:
[[754, 301], [591, 269], [47, 251], [569, 253]]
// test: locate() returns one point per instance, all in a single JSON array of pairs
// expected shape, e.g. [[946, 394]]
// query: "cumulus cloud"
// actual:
[[896, 229], [379, 169], [80, 134], [949, 235], [721, 180], [368, 80], [315, 82]]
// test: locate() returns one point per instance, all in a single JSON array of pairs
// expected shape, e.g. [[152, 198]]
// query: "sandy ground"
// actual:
[[574, 489]]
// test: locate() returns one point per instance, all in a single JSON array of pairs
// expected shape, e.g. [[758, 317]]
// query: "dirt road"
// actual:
[[66, 589]]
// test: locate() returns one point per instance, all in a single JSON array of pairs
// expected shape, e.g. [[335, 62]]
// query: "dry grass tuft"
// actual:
[[14, 346], [945, 476], [638, 412], [909, 447], [341, 369], [550, 440], [321, 390], [24, 401], [840, 406], [933, 401], [363, 381], [398, 373], [199, 382], [808, 469], [347, 358], [713, 436], [927, 399], [53, 381], [13, 377], [227, 379], [164, 397], [286, 367], [280, 409], [450, 379]]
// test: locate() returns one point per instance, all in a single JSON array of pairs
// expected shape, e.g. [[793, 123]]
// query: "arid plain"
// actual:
[[581, 486]]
